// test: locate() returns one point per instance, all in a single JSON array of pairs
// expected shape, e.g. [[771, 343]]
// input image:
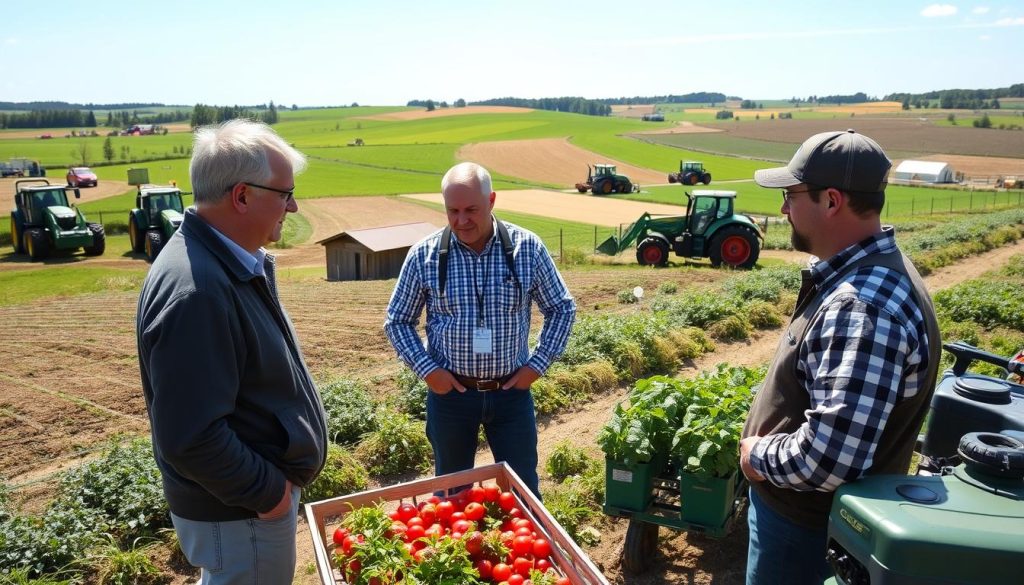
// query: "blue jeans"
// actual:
[[782, 552], [454, 419], [241, 552]]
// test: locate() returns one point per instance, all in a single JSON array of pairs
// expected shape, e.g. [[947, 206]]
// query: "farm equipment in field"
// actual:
[[690, 173], [710, 229], [43, 220], [157, 215], [603, 179]]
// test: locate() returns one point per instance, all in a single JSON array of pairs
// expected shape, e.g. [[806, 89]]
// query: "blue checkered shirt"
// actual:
[[865, 351], [453, 317]]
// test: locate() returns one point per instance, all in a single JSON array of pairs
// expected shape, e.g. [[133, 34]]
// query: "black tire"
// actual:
[[640, 546], [993, 454], [37, 244], [99, 240], [736, 246], [706, 178], [16, 237], [154, 243], [135, 236], [625, 187], [652, 252], [603, 187]]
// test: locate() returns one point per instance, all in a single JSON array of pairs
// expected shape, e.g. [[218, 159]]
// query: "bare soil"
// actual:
[[102, 190], [553, 161]]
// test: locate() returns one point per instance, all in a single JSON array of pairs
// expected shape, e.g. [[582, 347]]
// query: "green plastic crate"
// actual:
[[708, 501], [629, 487]]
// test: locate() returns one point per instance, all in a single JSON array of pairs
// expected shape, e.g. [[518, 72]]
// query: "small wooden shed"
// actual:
[[373, 253]]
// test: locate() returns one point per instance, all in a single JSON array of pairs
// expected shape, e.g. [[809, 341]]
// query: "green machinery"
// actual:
[[603, 179], [43, 221], [690, 173], [710, 229], [158, 213]]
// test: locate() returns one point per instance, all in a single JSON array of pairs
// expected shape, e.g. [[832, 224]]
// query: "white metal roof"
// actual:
[[389, 237], [926, 167]]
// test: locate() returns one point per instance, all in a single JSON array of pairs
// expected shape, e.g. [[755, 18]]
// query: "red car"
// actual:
[[81, 177]]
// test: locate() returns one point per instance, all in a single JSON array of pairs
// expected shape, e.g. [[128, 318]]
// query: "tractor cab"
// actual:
[[705, 206], [158, 213], [604, 170], [35, 202], [157, 200], [690, 172], [42, 220]]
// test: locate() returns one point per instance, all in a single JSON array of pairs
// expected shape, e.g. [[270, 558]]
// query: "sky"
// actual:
[[387, 52]]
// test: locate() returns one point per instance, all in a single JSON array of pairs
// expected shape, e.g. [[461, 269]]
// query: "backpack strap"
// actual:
[[442, 254]]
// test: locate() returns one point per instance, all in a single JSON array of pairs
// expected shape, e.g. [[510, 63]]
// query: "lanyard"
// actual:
[[480, 291]]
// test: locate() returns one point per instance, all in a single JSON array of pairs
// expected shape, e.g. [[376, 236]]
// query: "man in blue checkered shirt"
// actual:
[[853, 375], [477, 280]]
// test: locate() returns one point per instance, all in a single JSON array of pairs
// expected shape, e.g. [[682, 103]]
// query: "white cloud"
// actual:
[[1018, 21], [980, 10], [985, 38], [935, 10], [11, 41]]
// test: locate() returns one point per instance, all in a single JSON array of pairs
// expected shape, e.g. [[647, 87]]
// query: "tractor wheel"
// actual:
[[135, 236], [706, 178], [652, 252], [36, 244], [692, 179], [604, 187], [625, 187], [640, 546], [16, 237], [99, 240], [736, 246], [154, 243]]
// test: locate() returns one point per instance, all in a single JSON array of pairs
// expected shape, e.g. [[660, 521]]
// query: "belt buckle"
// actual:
[[488, 385]]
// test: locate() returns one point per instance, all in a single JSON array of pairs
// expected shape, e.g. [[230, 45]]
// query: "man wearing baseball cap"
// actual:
[[853, 374]]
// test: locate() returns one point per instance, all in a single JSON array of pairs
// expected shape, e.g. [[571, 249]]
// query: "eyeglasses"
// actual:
[[288, 196], [787, 194]]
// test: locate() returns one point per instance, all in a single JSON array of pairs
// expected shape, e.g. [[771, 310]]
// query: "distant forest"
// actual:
[[38, 106]]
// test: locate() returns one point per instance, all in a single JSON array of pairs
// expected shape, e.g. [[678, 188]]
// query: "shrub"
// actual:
[[731, 328], [351, 411], [412, 394], [548, 396], [762, 315], [342, 474], [667, 288], [601, 374], [566, 460], [398, 445], [124, 567], [626, 297]]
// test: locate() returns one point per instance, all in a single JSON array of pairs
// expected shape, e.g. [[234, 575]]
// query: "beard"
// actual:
[[799, 241]]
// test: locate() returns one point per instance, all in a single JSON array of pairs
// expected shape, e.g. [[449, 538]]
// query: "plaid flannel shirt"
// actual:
[[452, 317], [865, 351]]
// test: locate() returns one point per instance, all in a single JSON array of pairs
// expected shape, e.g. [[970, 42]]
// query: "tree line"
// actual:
[[959, 99], [573, 105], [56, 105], [702, 97], [203, 115]]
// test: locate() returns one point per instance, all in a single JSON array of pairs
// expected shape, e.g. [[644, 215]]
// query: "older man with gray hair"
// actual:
[[477, 279], [237, 423]]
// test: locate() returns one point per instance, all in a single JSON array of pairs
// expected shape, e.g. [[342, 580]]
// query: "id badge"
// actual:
[[481, 340]]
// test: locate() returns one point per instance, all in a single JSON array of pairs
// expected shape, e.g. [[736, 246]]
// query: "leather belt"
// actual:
[[482, 384]]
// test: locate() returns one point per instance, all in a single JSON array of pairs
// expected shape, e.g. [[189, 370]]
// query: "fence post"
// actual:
[[561, 252], [913, 199], [932, 212], [595, 238]]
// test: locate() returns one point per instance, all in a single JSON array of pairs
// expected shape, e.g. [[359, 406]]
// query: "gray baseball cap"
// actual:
[[845, 160]]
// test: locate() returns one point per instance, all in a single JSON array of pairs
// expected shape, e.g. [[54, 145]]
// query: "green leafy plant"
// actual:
[[567, 459], [342, 474], [412, 394], [351, 411], [398, 445], [132, 566], [707, 441]]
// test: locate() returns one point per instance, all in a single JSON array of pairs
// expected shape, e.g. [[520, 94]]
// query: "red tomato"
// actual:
[[429, 513], [507, 537], [515, 580], [435, 530], [462, 526], [459, 515], [444, 510], [491, 493], [501, 572], [475, 494], [515, 513], [484, 568], [522, 545], [406, 511], [350, 541], [506, 501], [397, 529], [339, 535], [542, 565], [523, 523], [394, 515], [415, 521], [456, 535], [522, 565], [541, 548], [563, 581], [434, 500], [414, 532], [475, 542], [475, 511], [522, 531]]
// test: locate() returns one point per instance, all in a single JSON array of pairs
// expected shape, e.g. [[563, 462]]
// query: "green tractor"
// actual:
[[43, 221], [710, 229], [690, 172], [158, 213], [603, 179]]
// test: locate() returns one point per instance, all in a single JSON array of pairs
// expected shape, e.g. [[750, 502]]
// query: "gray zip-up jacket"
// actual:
[[233, 408]]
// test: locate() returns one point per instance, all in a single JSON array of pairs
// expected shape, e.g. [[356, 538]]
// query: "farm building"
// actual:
[[374, 253], [922, 171]]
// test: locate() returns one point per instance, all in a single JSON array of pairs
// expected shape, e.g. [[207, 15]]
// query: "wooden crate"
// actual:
[[324, 515]]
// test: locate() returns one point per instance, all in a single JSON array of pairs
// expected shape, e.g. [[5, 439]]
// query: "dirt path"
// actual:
[[549, 160], [103, 190]]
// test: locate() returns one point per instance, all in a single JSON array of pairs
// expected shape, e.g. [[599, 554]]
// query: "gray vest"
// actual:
[[780, 403]]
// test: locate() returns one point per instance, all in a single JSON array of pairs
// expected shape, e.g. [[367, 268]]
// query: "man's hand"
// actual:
[[441, 381], [282, 508], [522, 379], [746, 446]]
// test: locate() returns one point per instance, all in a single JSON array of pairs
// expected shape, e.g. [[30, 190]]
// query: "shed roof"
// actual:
[[389, 237], [921, 166]]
